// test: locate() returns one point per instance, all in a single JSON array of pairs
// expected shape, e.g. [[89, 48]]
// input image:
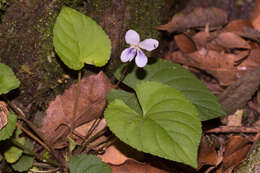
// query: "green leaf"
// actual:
[[8, 130], [78, 39], [26, 161], [23, 164], [169, 125], [127, 97], [8, 80], [83, 163], [181, 79], [12, 154]]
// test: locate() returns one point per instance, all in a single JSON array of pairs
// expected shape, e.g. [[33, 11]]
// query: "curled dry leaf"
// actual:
[[229, 40], [235, 152], [238, 25], [198, 18], [220, 65], [220, 42], [3, 114], [91, 103], [113, 156], [185, 43], [255, 15]]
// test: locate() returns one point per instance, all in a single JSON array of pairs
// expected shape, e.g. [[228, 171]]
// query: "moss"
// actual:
[[253, 162], [146, 15], [96, 10]]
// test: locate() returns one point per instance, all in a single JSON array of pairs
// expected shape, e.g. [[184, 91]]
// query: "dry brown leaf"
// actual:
[[201, 39], [235, 152], [207, 153], [184, 43], [252, 61], [220, 65], [132, 166], [198, 18], [219, 41], [3, 114], [237, 25], [229, 40], [83, 129], [91, 103], [113, 156], [255, 15], [235, 119]]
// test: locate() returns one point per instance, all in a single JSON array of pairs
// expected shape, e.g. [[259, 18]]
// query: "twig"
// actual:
[[234, 129], [254, 107], [97, 135], [76, 102], [38, 156], [93, 127], [22, 116], [122, 77], [32, 136]]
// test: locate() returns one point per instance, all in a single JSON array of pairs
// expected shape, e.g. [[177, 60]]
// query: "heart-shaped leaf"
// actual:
[[12, 154], [127, 97], [8, 80], [26, 161], [169, 125], [8, 130], [88, 163], [181, 79], [78, 39], [23, 164]]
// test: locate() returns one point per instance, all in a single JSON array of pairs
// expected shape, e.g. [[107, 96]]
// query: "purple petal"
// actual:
[[128, 54], [149, 44], [140, 59], [132, 37]]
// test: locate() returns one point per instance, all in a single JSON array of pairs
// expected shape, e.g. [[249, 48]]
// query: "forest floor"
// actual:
[[223, 55]]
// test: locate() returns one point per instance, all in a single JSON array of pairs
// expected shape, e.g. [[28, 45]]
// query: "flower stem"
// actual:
[[76, 102], [122, 77]]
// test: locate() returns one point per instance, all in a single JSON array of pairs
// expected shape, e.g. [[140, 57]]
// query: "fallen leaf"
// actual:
[[220, 65], [220, 41], [3, 114], [255, 15], [229, 40], [91, 103], [251, 62], [113, 156], [198, 18], [237, 25], [201, 39], [235, 119], [235, 152], [83, 129], [184, 43], [132, 166], [207, 152]]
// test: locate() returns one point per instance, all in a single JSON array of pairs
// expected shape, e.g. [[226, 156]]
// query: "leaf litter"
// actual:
[[226, 52], [91, 103]]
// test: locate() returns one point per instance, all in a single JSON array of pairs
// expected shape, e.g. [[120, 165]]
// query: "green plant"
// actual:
[[161, 116]]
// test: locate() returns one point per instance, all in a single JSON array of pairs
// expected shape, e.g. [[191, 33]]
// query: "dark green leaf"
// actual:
[[8, 130], [83, 163], [181, 79], [169, 125], [8, 80]]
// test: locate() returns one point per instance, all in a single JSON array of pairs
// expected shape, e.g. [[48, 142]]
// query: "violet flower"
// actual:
[[134, 51]]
